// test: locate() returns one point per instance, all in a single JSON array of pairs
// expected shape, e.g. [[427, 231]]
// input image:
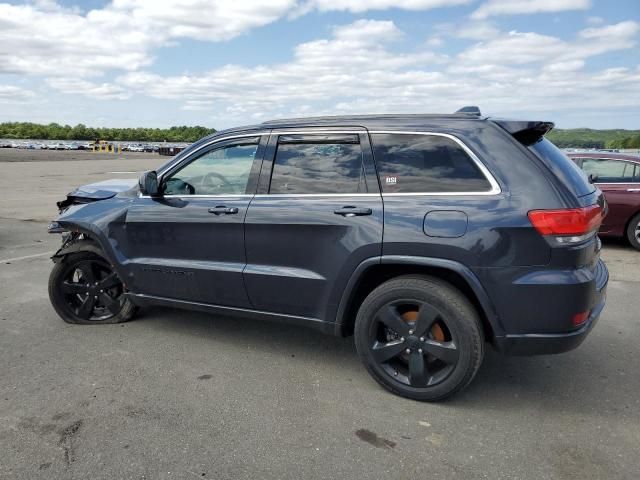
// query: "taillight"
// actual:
[[570, 225]]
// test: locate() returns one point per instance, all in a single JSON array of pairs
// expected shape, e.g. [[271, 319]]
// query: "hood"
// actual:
[[98, 191], [104, 189]]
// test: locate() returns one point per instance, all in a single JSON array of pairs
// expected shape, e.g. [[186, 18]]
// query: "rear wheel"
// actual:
[[419, 337], [84, 289], [633, 232]]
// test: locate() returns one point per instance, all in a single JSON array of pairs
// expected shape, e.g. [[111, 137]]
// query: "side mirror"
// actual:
[[149, 183]]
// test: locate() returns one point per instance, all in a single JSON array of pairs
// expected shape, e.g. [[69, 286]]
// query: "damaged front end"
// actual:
[[94, 192], [77, 221]]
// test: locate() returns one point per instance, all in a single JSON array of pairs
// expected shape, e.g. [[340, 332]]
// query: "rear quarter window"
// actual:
[[411, 163], [562, 167]]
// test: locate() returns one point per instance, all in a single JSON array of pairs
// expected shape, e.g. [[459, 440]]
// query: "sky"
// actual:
[[155, 63]]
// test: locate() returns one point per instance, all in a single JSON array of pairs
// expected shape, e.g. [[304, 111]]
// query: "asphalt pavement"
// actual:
[[176, 394]]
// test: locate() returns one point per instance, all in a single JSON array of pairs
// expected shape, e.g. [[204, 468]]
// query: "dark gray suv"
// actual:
[[425, 236]]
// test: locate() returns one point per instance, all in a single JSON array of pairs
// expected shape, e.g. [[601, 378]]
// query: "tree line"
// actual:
[[54, 131], [589, 138], [563, 138]]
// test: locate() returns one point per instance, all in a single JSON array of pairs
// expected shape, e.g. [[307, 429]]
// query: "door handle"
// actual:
[[223, 210], [633, 189], [351, 211]]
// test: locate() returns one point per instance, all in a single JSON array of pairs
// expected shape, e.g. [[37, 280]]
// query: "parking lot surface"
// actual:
[[177, 394]]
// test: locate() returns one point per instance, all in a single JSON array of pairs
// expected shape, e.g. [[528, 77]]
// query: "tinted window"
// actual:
[[318, 167], [221, 171], [609, 171], [562, 167], [425, 164]]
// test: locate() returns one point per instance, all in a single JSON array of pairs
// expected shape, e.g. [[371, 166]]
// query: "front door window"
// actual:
[[221, 171]]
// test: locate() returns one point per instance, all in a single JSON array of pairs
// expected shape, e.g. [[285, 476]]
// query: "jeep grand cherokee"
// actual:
[[424, 236]]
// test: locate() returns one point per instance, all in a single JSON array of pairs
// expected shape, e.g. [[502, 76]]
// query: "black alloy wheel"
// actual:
[[85, 289], [419, 337], [411, 342]]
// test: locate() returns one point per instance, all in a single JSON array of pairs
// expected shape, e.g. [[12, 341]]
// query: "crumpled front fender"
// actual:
[[100, 221]]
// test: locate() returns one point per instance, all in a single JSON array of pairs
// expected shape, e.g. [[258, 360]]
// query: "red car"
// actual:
[[618, 176]]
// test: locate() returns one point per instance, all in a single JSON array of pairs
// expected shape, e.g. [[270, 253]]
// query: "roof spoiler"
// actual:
[[526, 132], [470, 110]]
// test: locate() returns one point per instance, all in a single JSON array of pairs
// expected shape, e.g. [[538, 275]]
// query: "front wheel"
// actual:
[[633, 232], [84, 289], [419, 337]]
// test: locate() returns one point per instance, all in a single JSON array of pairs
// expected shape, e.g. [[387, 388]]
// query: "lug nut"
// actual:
[[408, 350], [422, 339], [395, 373], [402, 339], [410, 332], [419, 350]]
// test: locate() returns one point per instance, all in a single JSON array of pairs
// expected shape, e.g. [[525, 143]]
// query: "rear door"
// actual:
[[317, 215], [619, 180]]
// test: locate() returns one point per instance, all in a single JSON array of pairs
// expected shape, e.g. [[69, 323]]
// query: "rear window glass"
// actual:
[[610, 171], [309, 167], [562, 167], [425, 164]]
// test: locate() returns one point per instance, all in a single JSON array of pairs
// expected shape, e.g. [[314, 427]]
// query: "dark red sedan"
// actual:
[[618, 176]]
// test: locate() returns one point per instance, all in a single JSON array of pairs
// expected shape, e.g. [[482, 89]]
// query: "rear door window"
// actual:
[[412, 163], [610, 171], [308, 164]]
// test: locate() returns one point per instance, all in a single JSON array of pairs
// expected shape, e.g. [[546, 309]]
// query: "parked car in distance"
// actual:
[[618, 176], [490, 236]]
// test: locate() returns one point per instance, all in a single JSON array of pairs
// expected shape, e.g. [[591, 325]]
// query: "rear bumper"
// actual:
[[550, 343]]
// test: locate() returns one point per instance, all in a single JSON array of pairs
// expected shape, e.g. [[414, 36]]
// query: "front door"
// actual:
[[317, 215], [188, 244]]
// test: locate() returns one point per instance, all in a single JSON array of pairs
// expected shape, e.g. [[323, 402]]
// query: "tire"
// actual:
[[435, 330], [633, 232], [72, 297]]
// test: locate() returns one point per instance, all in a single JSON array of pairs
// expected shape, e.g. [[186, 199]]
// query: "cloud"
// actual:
[[512, 72], [359, 6], [360, 67], [467, 29], [594, 20], [102, 91], [514, 48], [623, 30], [527, 47], [45, 38], [201, 19], [517, 7], [56, 41], [13, 94]]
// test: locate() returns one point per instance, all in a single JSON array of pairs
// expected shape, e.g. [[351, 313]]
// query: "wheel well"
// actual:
[[378, 274]]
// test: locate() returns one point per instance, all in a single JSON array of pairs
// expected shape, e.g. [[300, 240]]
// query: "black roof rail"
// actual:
[[470, 110]]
